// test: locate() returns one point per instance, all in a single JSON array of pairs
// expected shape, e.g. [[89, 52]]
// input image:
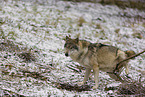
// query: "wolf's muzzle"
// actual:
[[66, 54]]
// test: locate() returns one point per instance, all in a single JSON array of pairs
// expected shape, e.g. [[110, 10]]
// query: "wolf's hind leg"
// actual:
[[126, 70], [116, 77], [87, 74]]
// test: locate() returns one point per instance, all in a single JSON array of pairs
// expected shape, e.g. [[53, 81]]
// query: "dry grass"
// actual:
[[81, 21], [129, 87], [75, 87], [122, 4], [24, 53]]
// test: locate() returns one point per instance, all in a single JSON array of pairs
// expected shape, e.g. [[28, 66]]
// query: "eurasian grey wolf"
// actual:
[[96, 56]]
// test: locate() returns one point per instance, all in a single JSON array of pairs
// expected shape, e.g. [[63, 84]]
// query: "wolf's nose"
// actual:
[[66, 54]]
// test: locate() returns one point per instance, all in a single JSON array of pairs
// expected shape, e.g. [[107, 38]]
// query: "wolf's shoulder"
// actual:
[[85, 43], [100, 46]]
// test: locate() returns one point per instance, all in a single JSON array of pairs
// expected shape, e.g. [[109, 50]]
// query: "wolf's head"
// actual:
[[75, 48], [71, 46]]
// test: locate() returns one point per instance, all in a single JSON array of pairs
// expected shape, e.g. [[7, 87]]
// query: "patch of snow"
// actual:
[[43, 27]]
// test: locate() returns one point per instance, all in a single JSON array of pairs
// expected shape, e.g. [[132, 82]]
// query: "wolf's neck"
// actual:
[[82, 54]]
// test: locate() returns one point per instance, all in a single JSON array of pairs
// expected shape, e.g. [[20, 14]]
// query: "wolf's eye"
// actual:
[[65, 45], [74, 47]]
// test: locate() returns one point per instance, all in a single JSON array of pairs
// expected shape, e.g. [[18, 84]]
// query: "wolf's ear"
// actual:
[[67, 38], [77, 40]]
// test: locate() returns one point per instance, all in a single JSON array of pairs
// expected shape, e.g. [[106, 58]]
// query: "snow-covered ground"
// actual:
[[43, 27]]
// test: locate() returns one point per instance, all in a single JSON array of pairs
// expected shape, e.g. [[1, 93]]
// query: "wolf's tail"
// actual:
[[130, 53]]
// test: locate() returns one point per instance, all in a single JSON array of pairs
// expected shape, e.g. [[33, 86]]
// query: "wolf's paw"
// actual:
[[80, 83], [94, 87]]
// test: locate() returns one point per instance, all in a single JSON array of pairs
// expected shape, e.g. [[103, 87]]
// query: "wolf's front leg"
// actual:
[[96, 76], [87, 73]]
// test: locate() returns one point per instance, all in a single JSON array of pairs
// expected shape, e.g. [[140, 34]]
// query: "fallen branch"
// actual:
[[72, 68], [9, 93]]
